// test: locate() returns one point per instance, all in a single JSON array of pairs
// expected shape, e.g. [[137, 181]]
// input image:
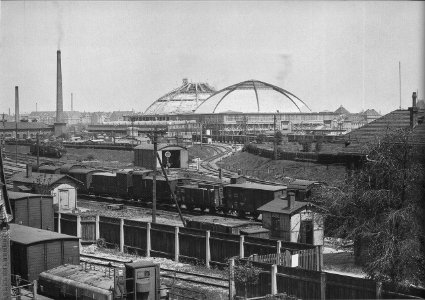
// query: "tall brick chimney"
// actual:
[[413, 112], [59, 99], [16, 104]]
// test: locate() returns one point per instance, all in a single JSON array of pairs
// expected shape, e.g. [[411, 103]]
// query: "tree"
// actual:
[[245, 272], [278, 137], [261, 138], [381, 208]]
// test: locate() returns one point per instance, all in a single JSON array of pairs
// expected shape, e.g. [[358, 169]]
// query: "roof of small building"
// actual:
[[280, 206], [29, 235], [82, 171], [258, 186], [109, 174], [41, 178], [254, 229], [159, 147], [19, 195]]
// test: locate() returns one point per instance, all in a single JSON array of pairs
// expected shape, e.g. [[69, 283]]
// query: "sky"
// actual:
[[123, 55]]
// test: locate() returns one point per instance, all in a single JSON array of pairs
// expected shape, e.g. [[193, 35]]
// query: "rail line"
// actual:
[[176, 275]]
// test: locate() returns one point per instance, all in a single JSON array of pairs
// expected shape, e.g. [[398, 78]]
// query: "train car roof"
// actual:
[[82, 170], [105, 174], [301, 184], [29, 235], [19, 195], [258, 186], [280, 206]]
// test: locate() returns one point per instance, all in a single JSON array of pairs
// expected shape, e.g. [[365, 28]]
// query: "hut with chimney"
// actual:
[[293, 221]]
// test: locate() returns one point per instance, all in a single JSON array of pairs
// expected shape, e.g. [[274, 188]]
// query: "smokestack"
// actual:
[[72, 102], [291, 199], [414, 96], [59, 99], [16, 104]]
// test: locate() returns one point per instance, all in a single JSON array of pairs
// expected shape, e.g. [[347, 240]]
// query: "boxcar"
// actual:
[[84, 175], [137, 179], [104, 183], [201, 196], [247, 197], [35, 250], [125, 183]]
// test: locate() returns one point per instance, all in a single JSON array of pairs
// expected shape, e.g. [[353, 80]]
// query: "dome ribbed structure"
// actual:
[[252, 96], [184, 99]]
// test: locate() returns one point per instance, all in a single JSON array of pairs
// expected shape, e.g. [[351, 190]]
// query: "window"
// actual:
[[275, 223]]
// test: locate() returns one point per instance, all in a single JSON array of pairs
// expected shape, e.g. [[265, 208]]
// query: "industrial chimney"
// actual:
[[59, 99], [60, 125], [413, 112], [16, 104]]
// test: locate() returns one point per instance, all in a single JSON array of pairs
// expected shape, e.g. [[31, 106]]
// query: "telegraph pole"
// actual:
[[274, 138]]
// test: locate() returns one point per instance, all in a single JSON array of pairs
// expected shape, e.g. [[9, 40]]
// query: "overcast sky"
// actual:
[[124, 55]]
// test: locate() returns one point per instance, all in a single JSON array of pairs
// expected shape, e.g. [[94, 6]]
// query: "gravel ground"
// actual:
[[210, 292]]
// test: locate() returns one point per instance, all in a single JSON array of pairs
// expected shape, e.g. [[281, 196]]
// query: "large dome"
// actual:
[[252, 96], [184, 99]]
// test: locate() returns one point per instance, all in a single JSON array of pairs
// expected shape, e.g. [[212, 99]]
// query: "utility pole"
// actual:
[[155, 147], [274, 138], [38, 151]]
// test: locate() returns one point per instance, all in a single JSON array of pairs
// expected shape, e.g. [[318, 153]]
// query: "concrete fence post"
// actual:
[[379, 290], [232, 288], [97, 230], [176, 244], [207, 249], [79, 226], [148, 239], [241, 246], [274, 280], [59, 223], [278, 246], [122, 235], [34, 289], [322, 286]]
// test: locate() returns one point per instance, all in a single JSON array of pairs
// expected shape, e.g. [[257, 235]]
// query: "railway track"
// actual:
[[176, 275]]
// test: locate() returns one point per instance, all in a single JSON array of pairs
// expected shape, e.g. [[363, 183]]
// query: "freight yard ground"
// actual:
[[211, 293]]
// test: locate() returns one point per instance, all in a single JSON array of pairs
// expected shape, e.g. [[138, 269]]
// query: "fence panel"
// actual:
[[223, 246], [110, 230], [259, 246], [88, 231], [135, 237], [69, 224], [347, 287], [162, 240], [307, 259], [192, 243], [305, 284]]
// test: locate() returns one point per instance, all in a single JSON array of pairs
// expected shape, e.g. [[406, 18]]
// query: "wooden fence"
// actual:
[[178, 243]]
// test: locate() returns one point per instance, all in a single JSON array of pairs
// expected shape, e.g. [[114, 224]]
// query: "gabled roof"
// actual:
[[342, 111], [28, 235], [280, 206], [41, 178]]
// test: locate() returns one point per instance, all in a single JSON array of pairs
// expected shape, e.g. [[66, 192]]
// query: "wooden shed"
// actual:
[[62, 187], [35, 250], [302, 188], [293, 221], [173, 156], [32, 210]]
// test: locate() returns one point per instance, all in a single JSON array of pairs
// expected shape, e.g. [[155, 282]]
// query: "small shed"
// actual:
[[173, 156], [36, 250], [32, 210], [62, 187], [293, 221]]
